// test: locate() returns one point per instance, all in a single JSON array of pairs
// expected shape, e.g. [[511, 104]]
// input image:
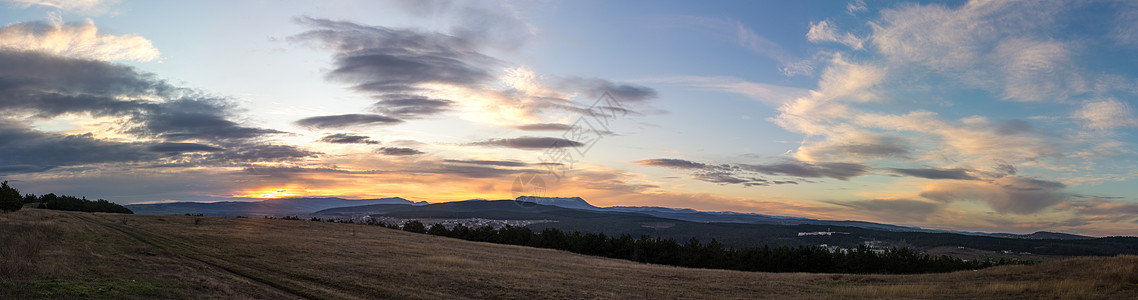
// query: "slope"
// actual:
[[146, 256]]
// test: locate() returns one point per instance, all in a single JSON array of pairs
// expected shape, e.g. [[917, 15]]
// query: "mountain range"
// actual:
[[524, 207]]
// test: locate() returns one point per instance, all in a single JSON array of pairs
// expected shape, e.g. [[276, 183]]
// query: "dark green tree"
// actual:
[[414, 226], [10, 199]]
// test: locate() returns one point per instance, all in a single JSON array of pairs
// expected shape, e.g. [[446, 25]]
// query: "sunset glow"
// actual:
[[995, 116]]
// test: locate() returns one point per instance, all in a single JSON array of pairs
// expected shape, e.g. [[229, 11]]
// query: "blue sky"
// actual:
[[1011, 116]]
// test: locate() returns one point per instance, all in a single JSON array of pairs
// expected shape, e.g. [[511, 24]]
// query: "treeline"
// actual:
[[713, 255], [51, 201]]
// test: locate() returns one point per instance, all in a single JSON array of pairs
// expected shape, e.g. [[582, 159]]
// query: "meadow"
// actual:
[[59, 254]]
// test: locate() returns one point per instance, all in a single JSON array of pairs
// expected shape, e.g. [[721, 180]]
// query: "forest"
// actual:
[[712, 254]]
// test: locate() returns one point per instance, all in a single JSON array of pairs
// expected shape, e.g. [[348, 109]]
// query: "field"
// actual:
[[54, 254]]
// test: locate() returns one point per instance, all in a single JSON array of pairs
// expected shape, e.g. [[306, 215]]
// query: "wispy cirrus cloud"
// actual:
[[753, 174]]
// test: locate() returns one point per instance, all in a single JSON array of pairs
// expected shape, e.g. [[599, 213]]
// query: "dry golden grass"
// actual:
[[65, 255]]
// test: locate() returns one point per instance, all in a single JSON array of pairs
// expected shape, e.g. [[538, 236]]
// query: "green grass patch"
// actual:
[[95, 288]]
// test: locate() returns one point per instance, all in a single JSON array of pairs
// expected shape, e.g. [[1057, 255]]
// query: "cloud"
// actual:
[[474, 171], [78, 40], [769, 94], [594, 88], [1101, 207], [998, 46], [499, 163], [195, 119], [857, 144], [824, 31], [260, 152], [1106, 114], [750, 174], [344, 138], [856, 6], [348, 120], [90, 7], [25, 150], [544, 127], [419, 73], [530, 143], [383, 60], [498, 23], [398, 151], [411, 106], [672, 163], [836, 170], [169, 125], [791, 65], [893, 209], [182, 148], [935, 173], [1010, 194]]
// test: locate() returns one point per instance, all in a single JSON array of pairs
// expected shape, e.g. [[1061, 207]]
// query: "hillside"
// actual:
[[638, 223], [54, 254]]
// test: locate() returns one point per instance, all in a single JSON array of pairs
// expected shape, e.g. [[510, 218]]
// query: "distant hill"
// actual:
[[1043, 235], [750, 218], [574, 202], [670, 223], [270, 207]]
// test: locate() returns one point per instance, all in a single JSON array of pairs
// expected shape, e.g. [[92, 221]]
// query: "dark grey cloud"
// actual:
[[893, 210], [397, 151], [1004, 168], [23, 150], [195, 119], [836, 170], [344, 138], [399, 65], [47, 86], [349, 120], [186, 126], [410, 106], [500, 163], [182, 148], [934, 173], [595, 88], [530, 143], [249, 152], [672, 163], [544, 127], [378, 59]]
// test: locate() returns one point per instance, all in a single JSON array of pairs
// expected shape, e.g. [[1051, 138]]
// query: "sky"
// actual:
[[994, 116]]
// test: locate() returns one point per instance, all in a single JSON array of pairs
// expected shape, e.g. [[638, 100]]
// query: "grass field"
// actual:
[[54, 254]]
